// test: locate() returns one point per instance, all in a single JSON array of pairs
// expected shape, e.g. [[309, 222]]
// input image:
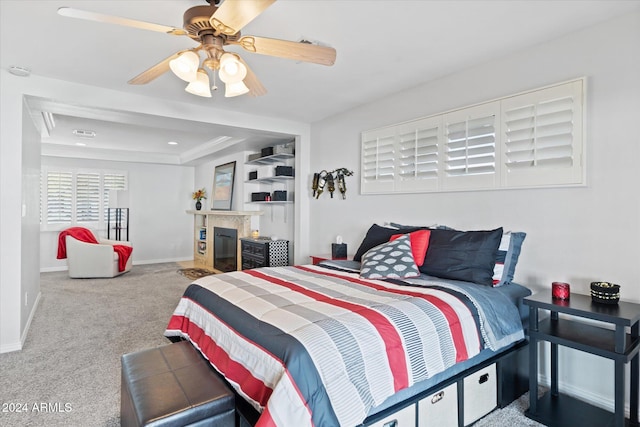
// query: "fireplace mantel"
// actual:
[[204, 223]]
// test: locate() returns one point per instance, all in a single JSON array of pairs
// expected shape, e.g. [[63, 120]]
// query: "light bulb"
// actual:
[[231, 69]]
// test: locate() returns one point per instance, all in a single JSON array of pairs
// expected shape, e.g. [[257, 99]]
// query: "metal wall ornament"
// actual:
[[329, 179]]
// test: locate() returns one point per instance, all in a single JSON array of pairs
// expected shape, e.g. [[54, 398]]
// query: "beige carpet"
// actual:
[[68, 373]]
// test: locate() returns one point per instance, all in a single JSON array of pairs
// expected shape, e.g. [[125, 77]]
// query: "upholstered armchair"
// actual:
[[94, 260]]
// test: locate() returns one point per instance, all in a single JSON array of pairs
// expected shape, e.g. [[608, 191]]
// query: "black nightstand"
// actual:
[[558, 410]]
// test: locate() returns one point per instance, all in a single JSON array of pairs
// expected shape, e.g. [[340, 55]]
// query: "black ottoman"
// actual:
[[173, 386]]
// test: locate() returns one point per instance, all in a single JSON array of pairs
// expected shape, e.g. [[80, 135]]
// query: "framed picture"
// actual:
[[222, 194]]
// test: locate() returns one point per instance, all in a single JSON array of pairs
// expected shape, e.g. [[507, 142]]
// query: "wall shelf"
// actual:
[[270, 160]]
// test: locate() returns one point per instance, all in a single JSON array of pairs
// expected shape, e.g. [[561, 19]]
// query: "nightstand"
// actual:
[[555, 409], [316, 259], [263, 252]]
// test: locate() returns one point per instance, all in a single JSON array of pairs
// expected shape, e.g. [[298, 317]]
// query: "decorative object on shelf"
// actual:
[[329, 179], [605, 292], [198, 195], [255, 234], [223, 179], [560, 290]]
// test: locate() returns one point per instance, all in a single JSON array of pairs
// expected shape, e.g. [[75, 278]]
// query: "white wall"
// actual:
[[159, 195], [30, 227], [573, 234]]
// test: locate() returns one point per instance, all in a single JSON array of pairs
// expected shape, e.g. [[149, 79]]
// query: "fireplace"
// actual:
[[225, 249]]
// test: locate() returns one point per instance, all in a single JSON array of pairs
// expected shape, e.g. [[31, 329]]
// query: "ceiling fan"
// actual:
[[215, 27]]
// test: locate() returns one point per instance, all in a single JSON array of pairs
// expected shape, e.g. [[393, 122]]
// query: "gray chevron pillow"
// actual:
[[391, 260]]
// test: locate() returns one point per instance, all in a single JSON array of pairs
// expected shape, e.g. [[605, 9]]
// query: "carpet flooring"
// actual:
[[68, 373]]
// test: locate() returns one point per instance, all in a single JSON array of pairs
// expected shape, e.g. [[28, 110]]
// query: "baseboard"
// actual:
[[23, 338], [17, 346], [160, 261], [8, 348], [143, 262]]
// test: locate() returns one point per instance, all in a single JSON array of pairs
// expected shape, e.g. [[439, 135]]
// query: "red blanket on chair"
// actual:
[[85, 235]]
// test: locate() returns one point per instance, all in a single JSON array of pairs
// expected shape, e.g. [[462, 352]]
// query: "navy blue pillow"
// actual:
[[377, 235], [469, 256]]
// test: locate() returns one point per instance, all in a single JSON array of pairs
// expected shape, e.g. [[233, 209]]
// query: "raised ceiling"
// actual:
[[382, 47]]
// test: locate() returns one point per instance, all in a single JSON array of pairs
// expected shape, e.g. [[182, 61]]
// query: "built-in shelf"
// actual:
[[271, 180], [272, 159]]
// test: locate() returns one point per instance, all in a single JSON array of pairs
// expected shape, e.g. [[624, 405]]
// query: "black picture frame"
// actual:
[[223, 180]]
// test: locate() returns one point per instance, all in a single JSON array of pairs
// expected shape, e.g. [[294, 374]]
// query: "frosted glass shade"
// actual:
[[186, 66], [235, 89], [200, 86]]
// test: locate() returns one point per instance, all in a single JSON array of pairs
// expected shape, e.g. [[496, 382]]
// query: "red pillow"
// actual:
[[419, 244]]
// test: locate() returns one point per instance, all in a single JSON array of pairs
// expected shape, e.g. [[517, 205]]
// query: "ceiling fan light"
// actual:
[[185, 66], [231, 69], [200, 86], [235, 89]]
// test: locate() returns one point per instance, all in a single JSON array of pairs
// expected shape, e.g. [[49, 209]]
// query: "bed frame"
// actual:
[[512, 382]]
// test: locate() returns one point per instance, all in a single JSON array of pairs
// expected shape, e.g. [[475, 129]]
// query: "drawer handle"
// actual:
[[483, 378], [392, 423], [437, 397]]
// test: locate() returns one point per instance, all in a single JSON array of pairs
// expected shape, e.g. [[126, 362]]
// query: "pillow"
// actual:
[[419, 244], [377, 235], [463, 255], [507, 257], [391, 260]]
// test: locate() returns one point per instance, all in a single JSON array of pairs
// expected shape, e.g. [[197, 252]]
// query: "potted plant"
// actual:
[[198, 195]]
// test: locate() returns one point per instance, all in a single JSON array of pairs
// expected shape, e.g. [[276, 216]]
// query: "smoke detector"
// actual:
[[19, 71]]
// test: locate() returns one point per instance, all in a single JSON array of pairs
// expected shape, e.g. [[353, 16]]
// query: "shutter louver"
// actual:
[[59, 201]]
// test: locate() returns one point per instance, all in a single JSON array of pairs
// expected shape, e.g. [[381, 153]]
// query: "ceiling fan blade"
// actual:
[[298, 51], [233, 15], [109, 19], [154, 72], [252, 82]]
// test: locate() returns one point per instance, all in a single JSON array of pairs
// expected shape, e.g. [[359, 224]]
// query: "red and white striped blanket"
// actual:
[[307, 345]]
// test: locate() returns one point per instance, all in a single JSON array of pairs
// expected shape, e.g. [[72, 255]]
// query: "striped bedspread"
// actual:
[[308, 345]]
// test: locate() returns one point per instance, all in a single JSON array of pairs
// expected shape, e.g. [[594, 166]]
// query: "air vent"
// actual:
[[81, 133]]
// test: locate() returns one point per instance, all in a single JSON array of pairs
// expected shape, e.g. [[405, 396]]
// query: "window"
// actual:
[[77, 197], [532, 139]]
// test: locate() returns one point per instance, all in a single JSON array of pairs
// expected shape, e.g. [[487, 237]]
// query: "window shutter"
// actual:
[[88, 198], [470, 147], [542, 137], [418, 153], [59, 200], [378, 161]]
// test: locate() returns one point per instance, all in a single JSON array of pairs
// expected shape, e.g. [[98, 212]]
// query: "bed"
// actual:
[[324, 345]]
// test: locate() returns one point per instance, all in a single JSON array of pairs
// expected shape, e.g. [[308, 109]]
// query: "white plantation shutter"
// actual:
[[543, 137], [471, 147], [533, 139], [58, 204], [378, 161], [88, 198], [418, 145], [76, 197]]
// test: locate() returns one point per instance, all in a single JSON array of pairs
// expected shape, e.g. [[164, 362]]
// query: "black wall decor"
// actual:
[[329, 179]]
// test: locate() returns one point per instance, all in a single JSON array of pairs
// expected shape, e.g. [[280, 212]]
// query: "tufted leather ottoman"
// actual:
[[173, 386]]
